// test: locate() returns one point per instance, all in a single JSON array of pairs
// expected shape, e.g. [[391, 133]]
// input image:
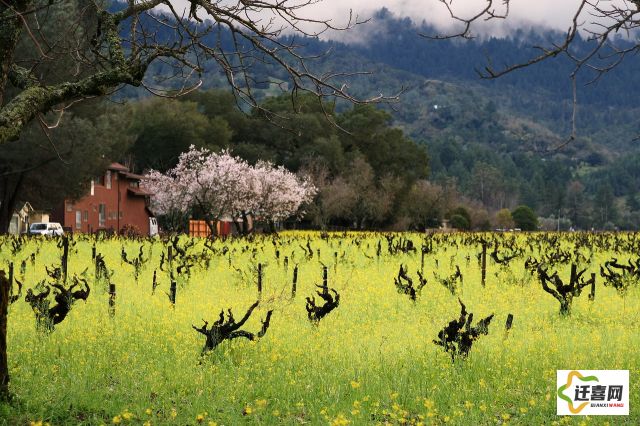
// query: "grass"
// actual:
[[370, 361]]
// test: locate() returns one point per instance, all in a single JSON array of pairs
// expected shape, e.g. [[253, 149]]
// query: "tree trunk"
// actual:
[[5, 217], [245, 220], [8, 197], [238, 226], [4, 363], [11, 22]]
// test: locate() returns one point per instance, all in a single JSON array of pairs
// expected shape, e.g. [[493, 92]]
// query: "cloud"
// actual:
[[523, 14], [545, 14]]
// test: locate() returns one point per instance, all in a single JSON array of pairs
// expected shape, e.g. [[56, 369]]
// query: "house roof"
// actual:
[[138, 192], [23, 205], [132, 175], [118, 167]]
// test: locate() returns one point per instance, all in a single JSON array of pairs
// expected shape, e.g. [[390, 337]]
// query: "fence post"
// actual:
[[259, 279], [295, 282], [172, 293], [592, 294], [325, 287], [112, 300], [508, 325], [65, 258], [484, 262]]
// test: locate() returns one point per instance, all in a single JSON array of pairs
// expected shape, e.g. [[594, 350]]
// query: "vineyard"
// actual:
[[311, 328]]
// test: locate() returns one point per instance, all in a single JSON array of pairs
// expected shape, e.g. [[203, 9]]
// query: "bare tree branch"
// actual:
[[105, 50]]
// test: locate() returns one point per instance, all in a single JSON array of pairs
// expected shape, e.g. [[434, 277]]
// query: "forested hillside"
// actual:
[[489, 143]]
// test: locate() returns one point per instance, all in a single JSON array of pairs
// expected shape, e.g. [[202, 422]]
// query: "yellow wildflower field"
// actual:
[[370, 360]]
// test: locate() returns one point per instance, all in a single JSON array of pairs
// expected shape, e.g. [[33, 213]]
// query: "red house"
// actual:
[[114, 201]]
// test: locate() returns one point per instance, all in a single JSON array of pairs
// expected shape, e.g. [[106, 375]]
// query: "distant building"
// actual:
[[23, 216], [115, 201], [224, 227]]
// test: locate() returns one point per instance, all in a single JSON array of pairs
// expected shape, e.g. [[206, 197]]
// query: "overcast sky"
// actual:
[[546, 14], [556, 14], [523, 14]]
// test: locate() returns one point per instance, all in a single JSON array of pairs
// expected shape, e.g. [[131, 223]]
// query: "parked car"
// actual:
[[42, 228]]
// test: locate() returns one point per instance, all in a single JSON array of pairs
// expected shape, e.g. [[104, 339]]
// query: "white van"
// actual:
[[42, 228]]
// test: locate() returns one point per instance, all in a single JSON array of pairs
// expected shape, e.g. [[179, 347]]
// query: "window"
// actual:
[[107, 179], [93, 187], [78, 219], [102, 215], [86, 216], [134, 184], [69, 206], [121, 214]]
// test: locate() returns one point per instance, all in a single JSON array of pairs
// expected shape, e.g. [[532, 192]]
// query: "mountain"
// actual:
[[505, 128]]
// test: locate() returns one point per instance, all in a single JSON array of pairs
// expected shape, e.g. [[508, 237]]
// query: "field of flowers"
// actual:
[[370, 360]]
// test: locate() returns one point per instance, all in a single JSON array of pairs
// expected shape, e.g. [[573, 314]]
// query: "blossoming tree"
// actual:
[[220, 185]]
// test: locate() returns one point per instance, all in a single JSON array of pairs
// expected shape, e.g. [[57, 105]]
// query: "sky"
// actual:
[[523, 14], [545, 14]]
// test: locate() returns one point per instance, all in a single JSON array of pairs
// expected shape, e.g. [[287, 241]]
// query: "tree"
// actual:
[[277, 193], [385, 148], [425, 205], [504, 219], [219, 185], [459, 218], [601, 22], [98, 47], [525, 218], [163, 129], [606, 25]]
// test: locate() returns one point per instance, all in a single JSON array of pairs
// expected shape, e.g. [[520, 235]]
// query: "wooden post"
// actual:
[[335, 261], [112, 300], [286, 263], [172, 293], [295, 282], [508, 325], [484, 262], [325, 287], [422, 262], [65, 258], [154, 284], [93, 251], [259, 279], [592, 294]]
